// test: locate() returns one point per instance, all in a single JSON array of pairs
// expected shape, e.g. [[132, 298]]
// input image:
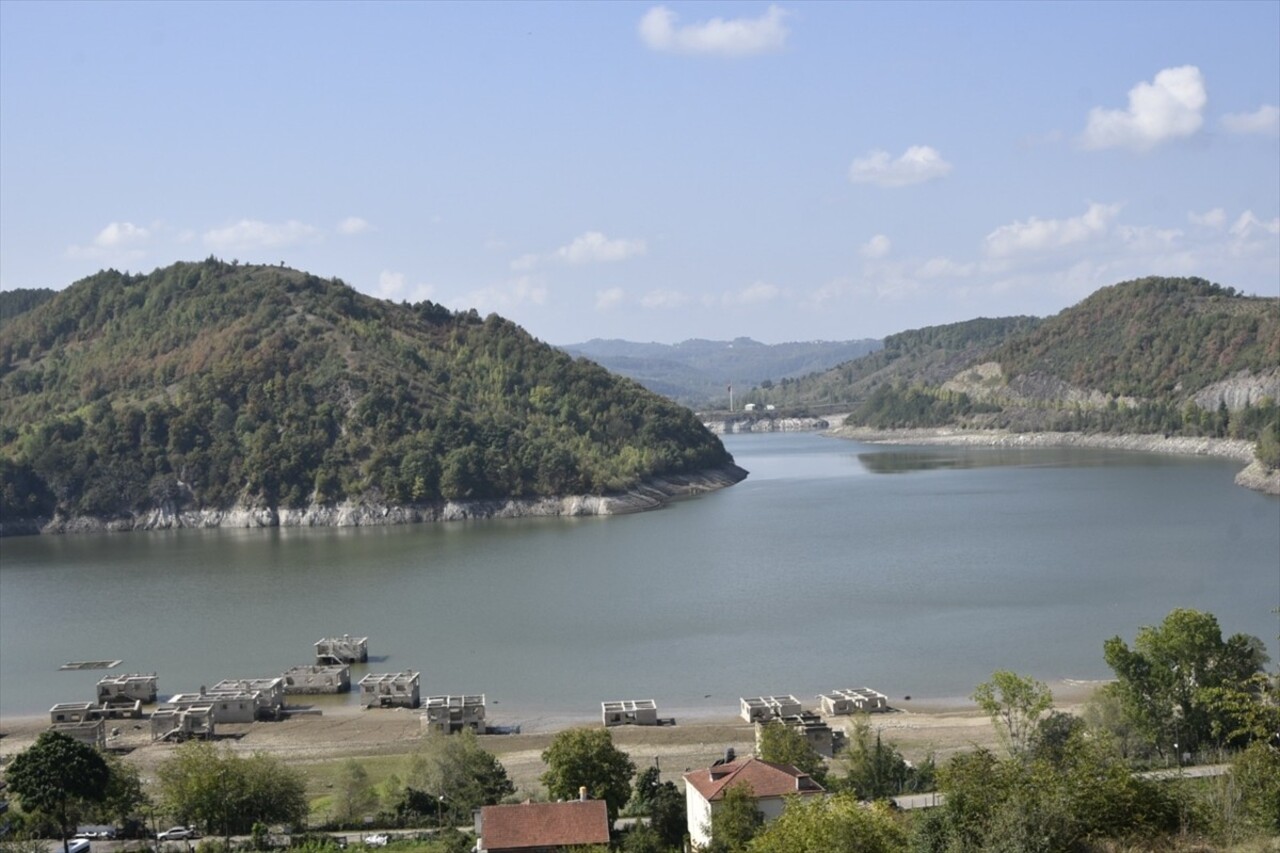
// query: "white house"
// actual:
[[770, 785]]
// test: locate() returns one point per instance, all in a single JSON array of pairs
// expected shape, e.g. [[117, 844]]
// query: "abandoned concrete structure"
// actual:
[[317, 679], [127, 689], [344, 649], [853, 700], [84, 712], [764, 708], [191, 721], [815, 730], [92, 732], [635, 712], [449, 714], [227, 706], [390, 690], [268, 694]]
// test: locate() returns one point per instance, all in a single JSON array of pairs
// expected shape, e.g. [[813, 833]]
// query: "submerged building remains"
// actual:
[[317, 678], [634, 712], [182, 723], [761, 709], [853, 700], [390, 690], [127, 689], [449, 714], [345, 649]]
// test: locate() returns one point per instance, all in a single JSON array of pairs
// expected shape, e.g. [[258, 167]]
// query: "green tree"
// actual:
[[457, 768], [226, 794], [876, 770], [124, 798], [587, 758], [57, 774], [824, 824], [735, 821], [353, 795], [1015, 704], [1255, 778], [1167, 683], [784, 745]]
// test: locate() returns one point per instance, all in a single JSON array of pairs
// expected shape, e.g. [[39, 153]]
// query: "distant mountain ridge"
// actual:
[[1169, 356], [226, 388], [697, 372]]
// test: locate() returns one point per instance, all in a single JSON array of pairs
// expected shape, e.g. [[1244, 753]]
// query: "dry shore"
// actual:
[[918, 727]]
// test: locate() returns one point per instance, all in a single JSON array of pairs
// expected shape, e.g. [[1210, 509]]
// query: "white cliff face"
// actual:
[[749, 424], [650, 494], [1243, 389]]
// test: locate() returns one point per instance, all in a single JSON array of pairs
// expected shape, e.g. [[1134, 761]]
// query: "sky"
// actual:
[[652, 171]]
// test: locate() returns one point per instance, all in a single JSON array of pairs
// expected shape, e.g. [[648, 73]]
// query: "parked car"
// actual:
[[378, 839], [176, 833]]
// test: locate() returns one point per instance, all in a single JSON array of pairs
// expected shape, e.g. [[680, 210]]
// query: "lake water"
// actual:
[[911, 570]]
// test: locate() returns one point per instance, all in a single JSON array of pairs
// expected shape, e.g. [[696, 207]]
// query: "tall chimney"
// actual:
[[582, 794]]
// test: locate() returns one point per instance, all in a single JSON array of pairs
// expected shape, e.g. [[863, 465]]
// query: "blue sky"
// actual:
[[787, 171]]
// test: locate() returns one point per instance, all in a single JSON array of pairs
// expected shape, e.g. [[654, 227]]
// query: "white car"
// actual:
[[175, 833], [378, 839]]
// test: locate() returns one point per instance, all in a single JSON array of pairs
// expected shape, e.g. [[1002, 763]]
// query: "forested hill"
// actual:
[[1171, 356], [212, 385], [929, 355]]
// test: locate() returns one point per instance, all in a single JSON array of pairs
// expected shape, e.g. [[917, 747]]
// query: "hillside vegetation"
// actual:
[[696, 372], [1171, 356], [213, 385]]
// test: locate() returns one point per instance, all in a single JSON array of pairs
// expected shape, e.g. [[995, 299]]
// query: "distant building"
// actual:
[[449, 714], [634, 712], [184, 723], [390, 690], [319, 678], [853, 700], [127, 689], [761, 709], [90, 732], [771, 784], [226, 706], [268, 694], [541, 827], [814, 729], [344, 649]]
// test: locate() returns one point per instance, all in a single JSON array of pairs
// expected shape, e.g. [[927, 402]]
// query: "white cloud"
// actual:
[[390, 284], [502, 297], [1265, 119], [594, 247], [918, 164], [753, 294], [1248, 226], [254, 234], [1148, 238], [524, 263], [1169, 107], [607, 299], [1215, 218], [877, 247], [944, 268], [353, 225], [664, 299], [120, 234], [719, 37], [1038, 235]]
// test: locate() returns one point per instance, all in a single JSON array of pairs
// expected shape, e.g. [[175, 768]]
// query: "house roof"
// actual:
[[765, 778], [544, 825]]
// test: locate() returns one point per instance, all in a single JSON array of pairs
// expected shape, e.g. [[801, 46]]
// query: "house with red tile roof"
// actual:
[[542, 827], [770, 784]]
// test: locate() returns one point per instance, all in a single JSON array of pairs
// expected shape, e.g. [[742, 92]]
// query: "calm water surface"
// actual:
[[912, 570]]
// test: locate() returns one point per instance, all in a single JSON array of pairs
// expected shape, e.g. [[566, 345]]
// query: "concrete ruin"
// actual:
[[306, 680], [629, 712], [84, 712], [761, 709], [185, 723], [390, 690], [449, 714], [852, 701], [127, 689], [90, 732], [226, 706], [816, 732], [333, 651], [268, 694]]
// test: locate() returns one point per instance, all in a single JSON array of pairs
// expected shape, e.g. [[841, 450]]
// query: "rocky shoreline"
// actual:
[[765, 424], [650, 494], [1255, 476]]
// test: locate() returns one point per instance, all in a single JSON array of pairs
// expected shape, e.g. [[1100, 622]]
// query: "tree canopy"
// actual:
[[55, 775], [588, 758], [227, 794]]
